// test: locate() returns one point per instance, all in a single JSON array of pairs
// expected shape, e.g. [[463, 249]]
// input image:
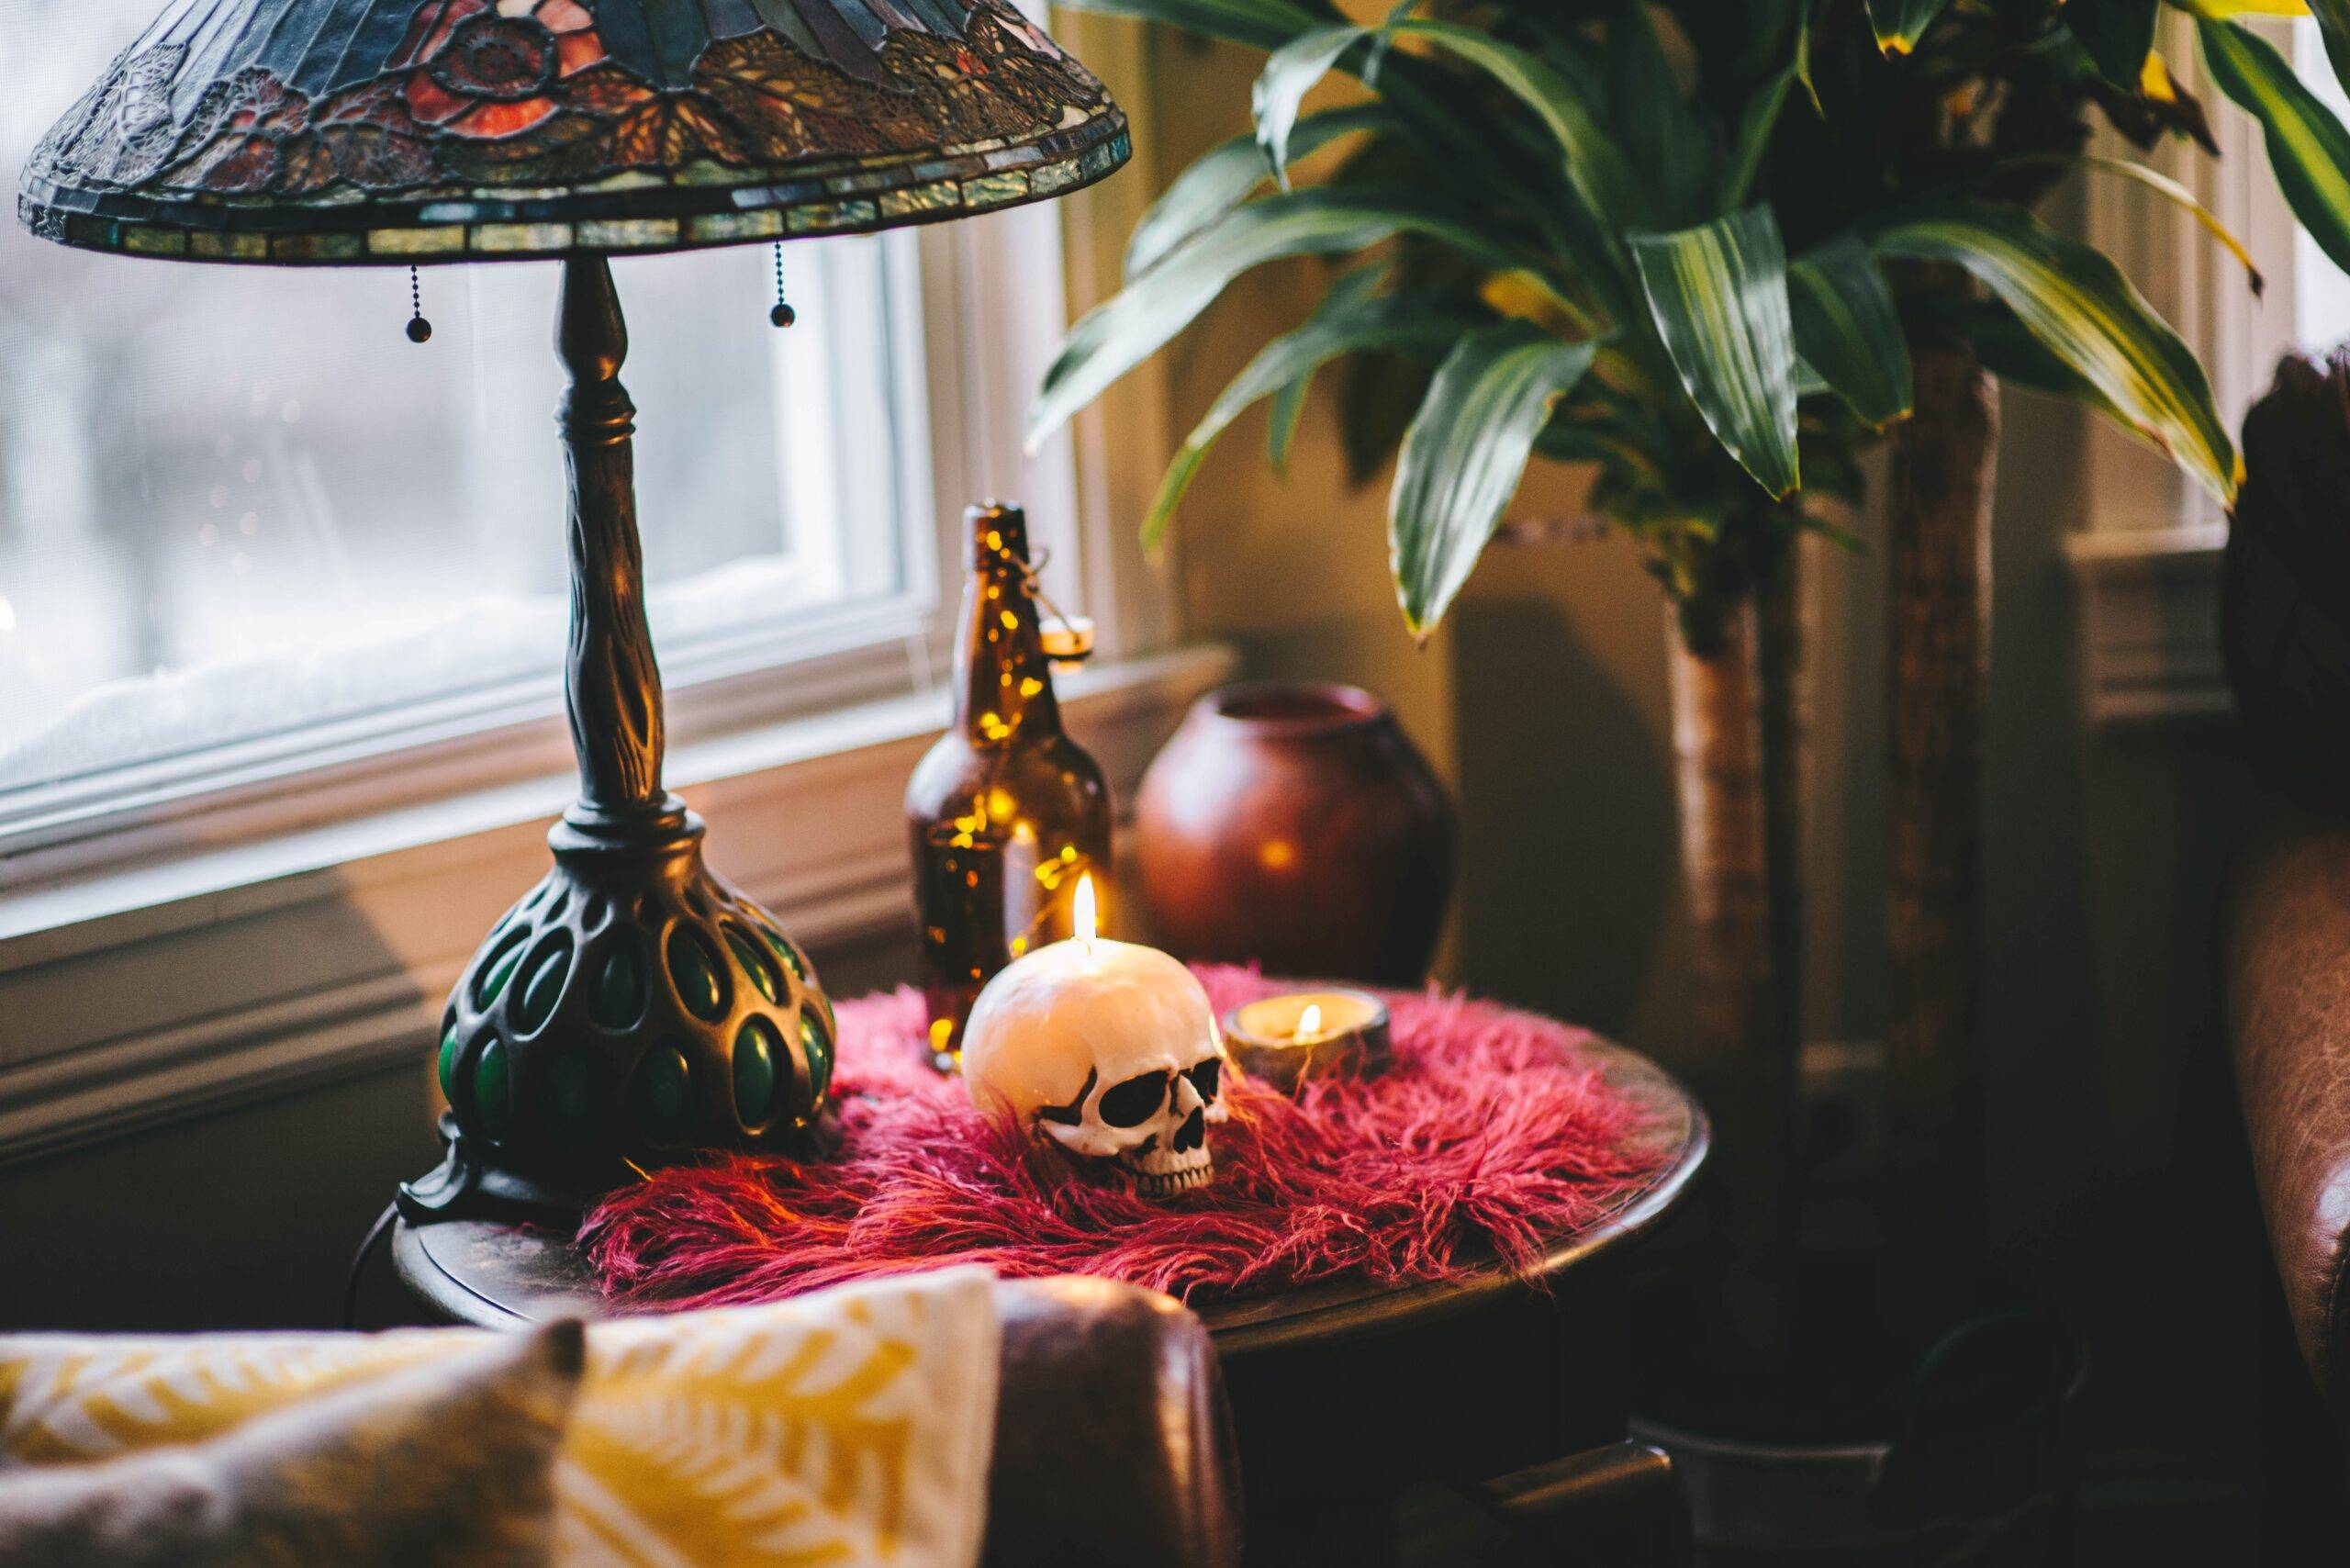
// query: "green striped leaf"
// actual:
[[2117, 36], [1667, 149], [2085, 312], [1352, 318], [2163, 185], [1463, 457], [2334, 27], [1266, 24], [1227, 174], [1282, 418], [2307, 146], [1751, 139], [1848, 331], [1382, 42], [1593, 163], [1603, 442], [1900, 24], [1136, 322], [1718, 293], [1288, 76], [2018, 358], [1804, 22]]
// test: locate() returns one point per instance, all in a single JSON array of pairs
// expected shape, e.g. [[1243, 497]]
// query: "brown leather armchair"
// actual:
[[1111, 1427], [2288, 957]]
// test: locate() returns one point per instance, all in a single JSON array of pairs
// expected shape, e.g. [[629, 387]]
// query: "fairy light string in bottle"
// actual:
[[1005, 812]]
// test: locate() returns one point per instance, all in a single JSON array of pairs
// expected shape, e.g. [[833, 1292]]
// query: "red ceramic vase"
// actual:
[[1296, 826]]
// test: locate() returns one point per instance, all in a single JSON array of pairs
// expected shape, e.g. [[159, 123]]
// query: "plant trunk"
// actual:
[[1939, 652], [1737, 747]]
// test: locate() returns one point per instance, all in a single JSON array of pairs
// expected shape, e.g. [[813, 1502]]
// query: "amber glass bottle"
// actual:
[[1005, 812]]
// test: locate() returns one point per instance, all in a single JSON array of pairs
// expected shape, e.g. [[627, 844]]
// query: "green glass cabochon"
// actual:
[[398, 132]]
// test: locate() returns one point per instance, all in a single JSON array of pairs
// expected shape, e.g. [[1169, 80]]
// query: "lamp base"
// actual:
[[631, 1009], [463, 1186]]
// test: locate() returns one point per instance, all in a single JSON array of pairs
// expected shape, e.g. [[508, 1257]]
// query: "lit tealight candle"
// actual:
[[1287, 1039], [1067, 640]]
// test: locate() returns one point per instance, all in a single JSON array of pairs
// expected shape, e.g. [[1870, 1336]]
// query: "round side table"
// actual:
[[1342, 1395]]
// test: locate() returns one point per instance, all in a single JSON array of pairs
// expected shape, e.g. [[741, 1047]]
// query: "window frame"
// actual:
[[972, 350]]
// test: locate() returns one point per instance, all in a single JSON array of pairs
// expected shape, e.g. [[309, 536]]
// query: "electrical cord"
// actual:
[[375, 1234]]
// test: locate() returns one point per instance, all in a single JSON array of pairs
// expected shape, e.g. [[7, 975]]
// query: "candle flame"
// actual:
[[1309, 1023], [1081, 908]]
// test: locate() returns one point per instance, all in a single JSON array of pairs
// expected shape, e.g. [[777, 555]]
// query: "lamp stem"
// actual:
[[612, 686]]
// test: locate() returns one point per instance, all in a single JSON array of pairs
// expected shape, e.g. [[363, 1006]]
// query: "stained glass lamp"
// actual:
[[633, 1007]]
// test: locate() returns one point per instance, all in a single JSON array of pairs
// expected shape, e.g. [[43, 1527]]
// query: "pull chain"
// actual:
[[783, 315], [418, 329]]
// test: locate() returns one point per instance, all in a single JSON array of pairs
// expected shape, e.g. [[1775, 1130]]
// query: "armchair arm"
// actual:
[[2287, 975], [1111, 1427]]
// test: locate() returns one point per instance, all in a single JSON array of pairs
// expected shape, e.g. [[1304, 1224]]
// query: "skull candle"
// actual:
[[1108, 1048]]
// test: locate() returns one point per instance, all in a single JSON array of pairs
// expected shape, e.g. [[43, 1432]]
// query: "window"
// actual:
[[247, 529], [242, 507], [2320, 292]]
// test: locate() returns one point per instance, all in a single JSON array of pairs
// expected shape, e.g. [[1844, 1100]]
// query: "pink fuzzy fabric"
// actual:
[[1484, 1137]]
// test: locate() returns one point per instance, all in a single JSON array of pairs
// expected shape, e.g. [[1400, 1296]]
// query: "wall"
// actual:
[[248, 1219], [1291, 566]]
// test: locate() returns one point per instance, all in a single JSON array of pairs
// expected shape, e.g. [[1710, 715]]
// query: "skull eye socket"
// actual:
[[1205, 1076], [1134, 1102]]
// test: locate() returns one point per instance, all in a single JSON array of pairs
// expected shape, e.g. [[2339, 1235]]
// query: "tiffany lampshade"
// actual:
[[632, 1006]]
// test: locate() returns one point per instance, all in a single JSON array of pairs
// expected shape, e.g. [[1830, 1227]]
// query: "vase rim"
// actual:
[[1293, 707]]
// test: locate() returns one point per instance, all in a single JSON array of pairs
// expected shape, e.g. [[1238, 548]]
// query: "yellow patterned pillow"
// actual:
[[362, 1477], [849, 1427]]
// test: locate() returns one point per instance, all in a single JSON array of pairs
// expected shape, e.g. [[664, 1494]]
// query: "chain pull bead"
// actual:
[[418, 329]]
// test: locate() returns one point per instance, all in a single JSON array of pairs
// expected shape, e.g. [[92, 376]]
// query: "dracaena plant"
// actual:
[[1710, 250], [2307, 145], [1675, 241]]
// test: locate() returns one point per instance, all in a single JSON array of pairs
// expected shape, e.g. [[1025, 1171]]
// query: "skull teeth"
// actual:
[[1160, 1171], [1159, 1183]]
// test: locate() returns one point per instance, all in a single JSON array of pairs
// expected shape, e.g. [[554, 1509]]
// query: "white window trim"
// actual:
[[2146, 561], [182, 954]]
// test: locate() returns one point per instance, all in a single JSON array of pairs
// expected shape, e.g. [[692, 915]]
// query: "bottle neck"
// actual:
[[1003, 682]]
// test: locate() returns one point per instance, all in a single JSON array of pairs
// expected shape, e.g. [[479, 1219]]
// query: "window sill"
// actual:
[[165, 989]]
